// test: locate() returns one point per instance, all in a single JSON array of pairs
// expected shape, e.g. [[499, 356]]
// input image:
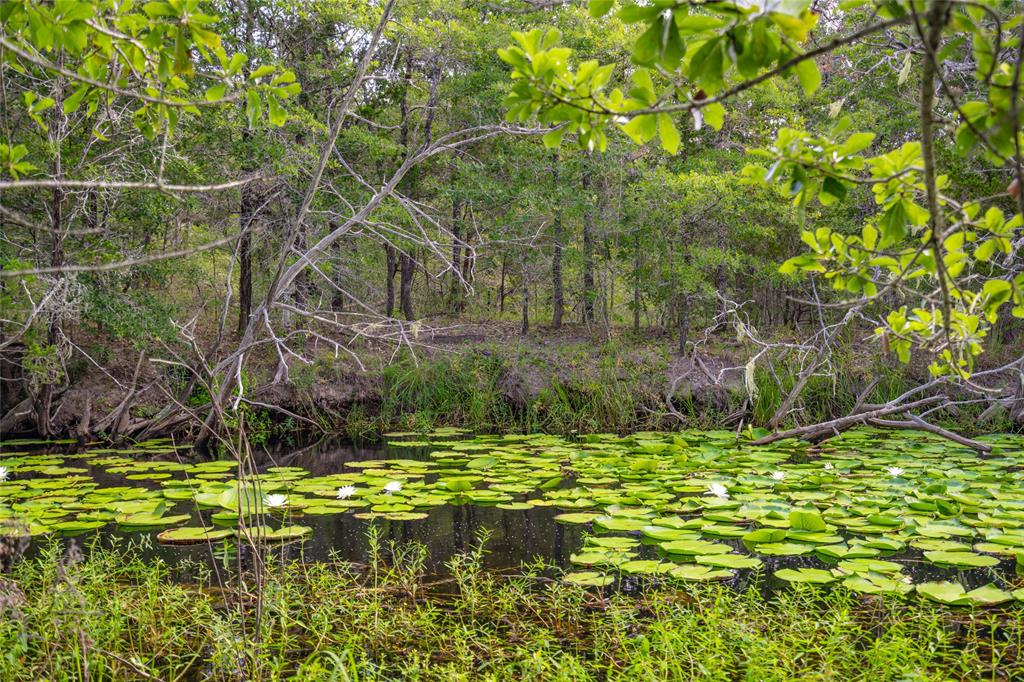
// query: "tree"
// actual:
[[95, 94], [951, 256]]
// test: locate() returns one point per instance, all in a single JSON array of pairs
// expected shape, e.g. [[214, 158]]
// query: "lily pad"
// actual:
[[954, 594], [806, 575], [588, 578], [728, 560], [191, 535], [698, 572], [961, 559]]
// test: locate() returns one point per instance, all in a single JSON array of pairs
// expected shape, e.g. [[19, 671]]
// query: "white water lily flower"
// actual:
[[778, 475], [346, 491], [894, 471], [275, 500], [829, 466], [719, 490], [393, 487], [3, 473]]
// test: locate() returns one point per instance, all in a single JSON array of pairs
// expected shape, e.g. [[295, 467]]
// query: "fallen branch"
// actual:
[[914, 422], [824, 430]]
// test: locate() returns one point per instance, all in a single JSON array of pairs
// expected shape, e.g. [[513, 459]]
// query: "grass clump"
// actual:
[[115, 616]]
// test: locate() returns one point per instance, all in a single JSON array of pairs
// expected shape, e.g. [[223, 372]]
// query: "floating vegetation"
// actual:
[[690, 506]]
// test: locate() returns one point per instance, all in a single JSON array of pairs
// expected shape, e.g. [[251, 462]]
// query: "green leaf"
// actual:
[[809, 76], [855, 143], [215, 92], [253, 107], [806, 575], [714, 115], [159, 9], [72, 103], [669, 135], [967, 559], [802, 519], [553, 138], [599, 8], [588, 578], [699, 572], [728, 560], [944, 592], [642, 129], [264, 70]]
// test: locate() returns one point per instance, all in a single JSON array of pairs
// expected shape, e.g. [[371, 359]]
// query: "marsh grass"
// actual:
[[113, 616]]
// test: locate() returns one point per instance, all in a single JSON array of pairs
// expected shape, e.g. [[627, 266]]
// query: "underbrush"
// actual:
[[114, 616]]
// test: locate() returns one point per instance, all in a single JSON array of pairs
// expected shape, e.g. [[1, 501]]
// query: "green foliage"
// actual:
[[942, 249], [138, 316], [42, 364], [160, 54], [698, 49], [321, 622]]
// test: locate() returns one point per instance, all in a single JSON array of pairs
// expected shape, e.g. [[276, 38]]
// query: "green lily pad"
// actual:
[[190, 535], [588, 578], [961, 559], [955, 595], [806, 575], [697, 572], [643, 567], [694, 547], [576, 517], [619, 523], [784, 548], [728, 560]]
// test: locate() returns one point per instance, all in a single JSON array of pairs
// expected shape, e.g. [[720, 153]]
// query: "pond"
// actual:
[[878, 512]]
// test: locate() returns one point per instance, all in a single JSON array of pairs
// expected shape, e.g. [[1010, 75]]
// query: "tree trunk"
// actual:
[[557, 291], [389, 280], [337, 296], [246, 215], [526, 301], [455, 292], [636, 282], [501, 288], [683, 322], [408, 270], [44, 398], [246, 211], [588, 244], [468, 261]]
